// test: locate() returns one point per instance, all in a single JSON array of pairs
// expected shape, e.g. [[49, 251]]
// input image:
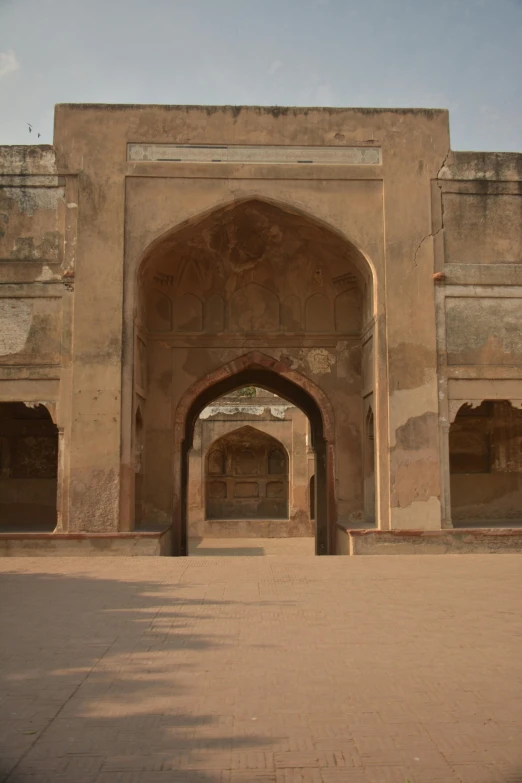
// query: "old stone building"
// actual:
[[156, 258]]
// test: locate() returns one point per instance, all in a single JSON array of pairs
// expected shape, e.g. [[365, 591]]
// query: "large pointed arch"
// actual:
[[325, 256]]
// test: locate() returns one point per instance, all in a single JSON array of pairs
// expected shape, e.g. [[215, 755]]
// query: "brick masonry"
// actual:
[[274, 669]]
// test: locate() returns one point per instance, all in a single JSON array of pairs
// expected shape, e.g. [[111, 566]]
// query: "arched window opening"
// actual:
[[28, 468], [485, 445], [216, 462]]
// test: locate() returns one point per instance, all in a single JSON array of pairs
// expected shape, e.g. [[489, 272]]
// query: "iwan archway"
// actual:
[[253, 293]]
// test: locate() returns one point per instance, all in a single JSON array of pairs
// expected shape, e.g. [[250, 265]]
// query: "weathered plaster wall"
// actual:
[[479, 310], [83, 216], [37, 228]]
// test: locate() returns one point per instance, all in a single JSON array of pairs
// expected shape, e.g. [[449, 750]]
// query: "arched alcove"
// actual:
[[260, 269], [246, 476], [28, 467]]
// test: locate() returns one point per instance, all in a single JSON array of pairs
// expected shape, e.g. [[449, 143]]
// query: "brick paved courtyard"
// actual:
[[280, 668]]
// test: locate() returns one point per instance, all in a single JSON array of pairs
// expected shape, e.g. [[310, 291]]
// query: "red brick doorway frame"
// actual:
[[257, 369]]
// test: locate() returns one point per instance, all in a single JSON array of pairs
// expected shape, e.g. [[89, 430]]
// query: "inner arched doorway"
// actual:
[[256, 369]]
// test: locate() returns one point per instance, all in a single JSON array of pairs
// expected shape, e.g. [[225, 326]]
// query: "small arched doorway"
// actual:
[[253, 370]]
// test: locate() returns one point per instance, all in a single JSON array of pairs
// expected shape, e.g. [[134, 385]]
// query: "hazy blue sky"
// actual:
[[464, 55]]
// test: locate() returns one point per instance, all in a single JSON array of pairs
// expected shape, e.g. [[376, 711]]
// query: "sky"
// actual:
[[462, 55]]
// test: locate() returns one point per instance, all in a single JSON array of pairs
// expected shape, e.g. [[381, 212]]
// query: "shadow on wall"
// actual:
[[117, 662]]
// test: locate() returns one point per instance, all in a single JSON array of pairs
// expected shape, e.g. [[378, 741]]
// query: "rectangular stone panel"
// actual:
[[484, 330], [482, 228], [246, 489], [30, 330], [207, 153], [32, 223]]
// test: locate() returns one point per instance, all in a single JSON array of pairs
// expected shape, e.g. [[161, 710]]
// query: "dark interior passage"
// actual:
[[28, 467], [486, 464]]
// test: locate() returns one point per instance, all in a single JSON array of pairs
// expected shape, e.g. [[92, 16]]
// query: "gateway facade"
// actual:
[[156, 258]]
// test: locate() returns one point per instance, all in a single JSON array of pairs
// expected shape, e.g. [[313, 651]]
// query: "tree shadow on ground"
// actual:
[[96, 682]]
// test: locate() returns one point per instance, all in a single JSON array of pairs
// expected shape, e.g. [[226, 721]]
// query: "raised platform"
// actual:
[[462, 541], [136, 543], [349, 542]]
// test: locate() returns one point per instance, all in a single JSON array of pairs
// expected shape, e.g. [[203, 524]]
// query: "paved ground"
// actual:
[[251, 547], [286, 669]]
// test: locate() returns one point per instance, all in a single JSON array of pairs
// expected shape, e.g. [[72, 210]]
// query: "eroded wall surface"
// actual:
[[479, 314], [37, 218]]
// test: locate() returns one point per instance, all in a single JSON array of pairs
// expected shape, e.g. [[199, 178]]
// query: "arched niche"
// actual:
[[318, 314], [291, 314], [187, 313], [214, 314], [159, 311], [253, 477]]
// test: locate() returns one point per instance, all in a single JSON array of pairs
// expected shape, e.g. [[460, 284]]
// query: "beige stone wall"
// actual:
[[81, 221]]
